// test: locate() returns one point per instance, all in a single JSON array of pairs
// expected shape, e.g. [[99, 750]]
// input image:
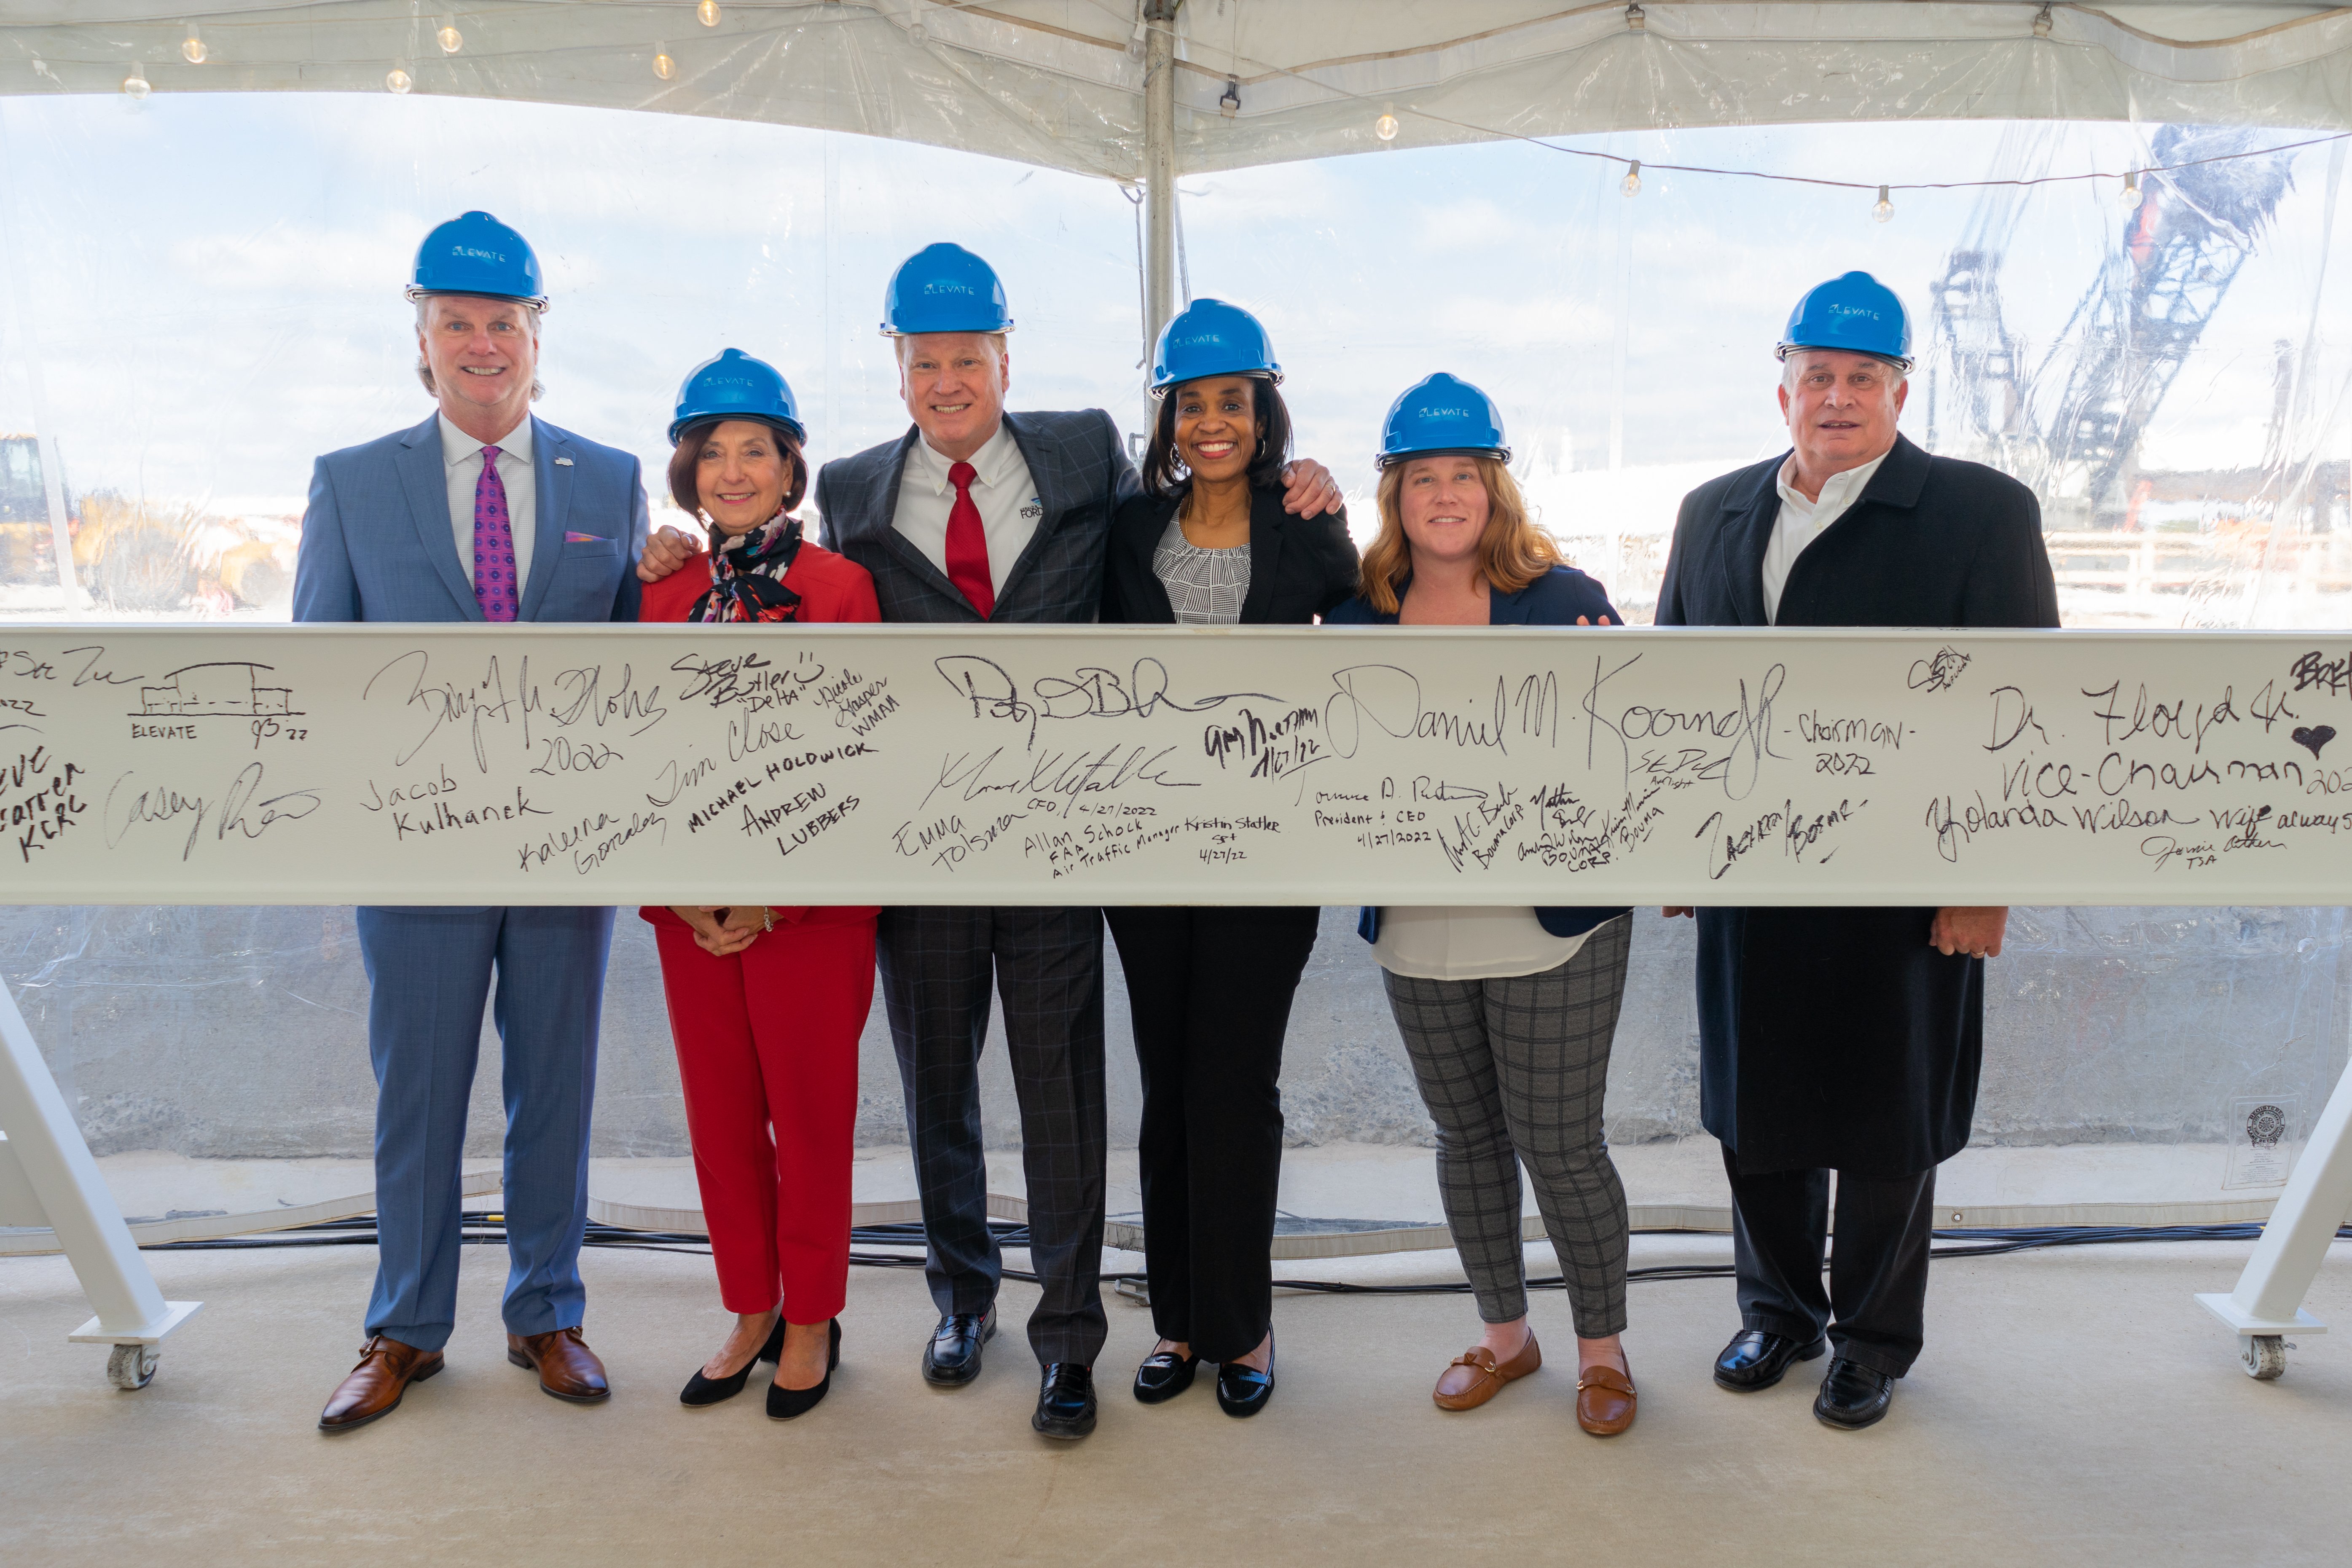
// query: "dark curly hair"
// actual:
[[1164, 473]]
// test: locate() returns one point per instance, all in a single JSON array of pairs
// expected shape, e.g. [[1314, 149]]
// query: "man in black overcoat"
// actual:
[[1845, 1039]]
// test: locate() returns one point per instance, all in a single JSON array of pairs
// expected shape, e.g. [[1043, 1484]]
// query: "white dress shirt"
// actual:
[[1802, 521], [1008, 508], [461, 456], [1438, 942]]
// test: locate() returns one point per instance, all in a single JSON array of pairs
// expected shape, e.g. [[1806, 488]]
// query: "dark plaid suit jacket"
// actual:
[[1080, 468]]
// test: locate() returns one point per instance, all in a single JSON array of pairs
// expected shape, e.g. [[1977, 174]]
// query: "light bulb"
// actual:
[[1884, 209], [193, 50], [451, 39], [134, 86], [707, 13], [1631, 183], [664, 66], [1385, 127], [2131, 190], [395, 80]]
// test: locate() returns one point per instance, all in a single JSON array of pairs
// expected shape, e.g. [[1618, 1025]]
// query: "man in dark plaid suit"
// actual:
[[976, 515]]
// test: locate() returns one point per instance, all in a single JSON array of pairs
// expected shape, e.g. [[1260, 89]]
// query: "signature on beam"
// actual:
[[1091, 692]]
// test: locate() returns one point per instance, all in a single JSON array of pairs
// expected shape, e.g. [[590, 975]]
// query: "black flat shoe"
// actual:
[[1243, 1390], [1066, 1401], [1854, 1397], [1164, 1375], [701, 1391], [952, 1359], [783, 1404], [1755, 1359]]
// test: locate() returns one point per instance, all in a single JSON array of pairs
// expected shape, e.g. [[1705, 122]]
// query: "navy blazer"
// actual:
[[1080, 468], [1555, 599], [378, 544]]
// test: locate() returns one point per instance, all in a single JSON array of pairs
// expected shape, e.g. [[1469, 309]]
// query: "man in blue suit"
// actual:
[[483, 512]]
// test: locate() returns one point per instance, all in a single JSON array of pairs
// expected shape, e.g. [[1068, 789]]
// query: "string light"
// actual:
[[663, 66], [707, 13], [396, 81], [134, 86], [1885, 210], [2131, 190], [451, 40], [1631, 183], [192, 48], [1385, 127]]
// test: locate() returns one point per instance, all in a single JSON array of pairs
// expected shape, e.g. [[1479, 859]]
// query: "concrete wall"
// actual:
[[243, 1033]]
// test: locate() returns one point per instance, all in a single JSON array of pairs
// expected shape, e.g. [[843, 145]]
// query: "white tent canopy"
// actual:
[[1060, 83]]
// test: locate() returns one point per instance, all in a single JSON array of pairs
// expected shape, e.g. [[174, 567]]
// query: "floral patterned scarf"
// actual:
[[747, 575]]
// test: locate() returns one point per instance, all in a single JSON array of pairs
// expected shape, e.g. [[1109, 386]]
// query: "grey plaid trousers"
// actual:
[[1513, 1071], [935, 967]]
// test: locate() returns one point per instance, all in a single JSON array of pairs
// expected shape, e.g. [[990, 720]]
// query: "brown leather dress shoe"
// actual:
[[1604, 1401], [567, 1368], [1475, 1376], [374, 1388]]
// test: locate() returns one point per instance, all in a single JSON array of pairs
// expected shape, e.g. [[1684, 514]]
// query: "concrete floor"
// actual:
[[2073, 1407]]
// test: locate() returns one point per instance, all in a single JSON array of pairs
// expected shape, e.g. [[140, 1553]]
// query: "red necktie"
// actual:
[[968, 543]]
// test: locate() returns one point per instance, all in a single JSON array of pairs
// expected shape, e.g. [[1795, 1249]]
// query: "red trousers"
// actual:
[[767, 1051]]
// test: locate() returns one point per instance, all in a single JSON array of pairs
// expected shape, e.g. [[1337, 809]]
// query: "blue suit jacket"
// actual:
[[377, 544], [1554, 599]]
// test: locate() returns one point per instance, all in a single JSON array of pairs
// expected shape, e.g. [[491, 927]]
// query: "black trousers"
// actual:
[[935, 965], [1210, 991], [1874, 1307]]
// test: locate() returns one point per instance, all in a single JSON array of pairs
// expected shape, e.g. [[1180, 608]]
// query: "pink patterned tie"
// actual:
[[495, 588]]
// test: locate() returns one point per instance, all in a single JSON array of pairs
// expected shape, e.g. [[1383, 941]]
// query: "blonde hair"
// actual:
[[1512, 553]]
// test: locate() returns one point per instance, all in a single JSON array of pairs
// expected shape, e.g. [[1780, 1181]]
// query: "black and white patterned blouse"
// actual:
[[1205, 587]]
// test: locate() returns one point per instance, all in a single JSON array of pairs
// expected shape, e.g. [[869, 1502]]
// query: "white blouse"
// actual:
[[1439, 943]]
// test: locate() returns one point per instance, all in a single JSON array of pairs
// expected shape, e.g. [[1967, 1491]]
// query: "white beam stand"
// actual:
[[2267, 1305], [48, 1177], [1158, 168]]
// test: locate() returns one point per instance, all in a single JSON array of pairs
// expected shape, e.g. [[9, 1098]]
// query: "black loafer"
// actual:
[[1853, 1396], [700, 1391], [1243, 1390], [1755, 1359], [952, 1358], [1066, 1401], [1164, 1374]]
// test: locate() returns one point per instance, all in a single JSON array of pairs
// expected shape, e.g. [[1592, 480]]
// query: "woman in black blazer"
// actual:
[[1208, 543]]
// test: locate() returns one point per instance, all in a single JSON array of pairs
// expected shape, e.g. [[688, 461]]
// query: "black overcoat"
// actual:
[[1837, 1037]]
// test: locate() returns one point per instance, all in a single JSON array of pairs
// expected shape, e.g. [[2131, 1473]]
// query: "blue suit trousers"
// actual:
[[430, 971]]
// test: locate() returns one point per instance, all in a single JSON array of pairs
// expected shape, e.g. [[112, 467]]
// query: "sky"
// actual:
[[202, 291]]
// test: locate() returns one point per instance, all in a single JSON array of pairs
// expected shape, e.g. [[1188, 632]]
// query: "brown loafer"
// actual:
[[567, 1368], [374, 1388], [1604, 1401], [1474, 1376]]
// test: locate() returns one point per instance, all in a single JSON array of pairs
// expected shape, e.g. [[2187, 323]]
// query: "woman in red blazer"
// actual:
[[766, 1004]]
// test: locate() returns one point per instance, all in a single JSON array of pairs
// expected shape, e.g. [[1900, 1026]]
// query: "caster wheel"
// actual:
[[132, 1367], [2264, 1356]]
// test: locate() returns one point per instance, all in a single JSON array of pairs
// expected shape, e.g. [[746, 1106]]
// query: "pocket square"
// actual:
[[586, 539]]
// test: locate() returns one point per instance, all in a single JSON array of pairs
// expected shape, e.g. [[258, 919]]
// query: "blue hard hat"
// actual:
[[1855, 314], [1210, 337], [734, 386], [476, 254], [944, 289], [1443, 413]]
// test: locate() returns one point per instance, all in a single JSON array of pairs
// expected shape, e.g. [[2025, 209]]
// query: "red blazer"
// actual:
[[832, 588]]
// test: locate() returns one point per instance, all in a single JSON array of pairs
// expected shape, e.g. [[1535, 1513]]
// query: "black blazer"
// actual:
[[1555, 599], [1080, 468], [1300, 567], [1828, 1037]]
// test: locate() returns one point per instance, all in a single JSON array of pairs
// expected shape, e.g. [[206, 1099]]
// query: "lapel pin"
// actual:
[[563, 462]]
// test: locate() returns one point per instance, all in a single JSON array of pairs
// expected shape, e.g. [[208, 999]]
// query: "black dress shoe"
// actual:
[[1066, 1400], [1243, 1390], [1854, 1395], [952, 1358], [783, 1404], [1164, 1374], [1755, 1359], [701, 1391]]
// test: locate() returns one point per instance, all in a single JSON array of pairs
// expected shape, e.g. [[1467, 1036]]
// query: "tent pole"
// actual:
[[1159, 167]]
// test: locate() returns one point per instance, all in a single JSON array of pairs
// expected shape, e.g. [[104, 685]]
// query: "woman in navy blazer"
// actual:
[[1506, 1014]]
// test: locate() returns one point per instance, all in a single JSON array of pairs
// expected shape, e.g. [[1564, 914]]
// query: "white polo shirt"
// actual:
[[1802, 521], [461, 458], [1008, 508]]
